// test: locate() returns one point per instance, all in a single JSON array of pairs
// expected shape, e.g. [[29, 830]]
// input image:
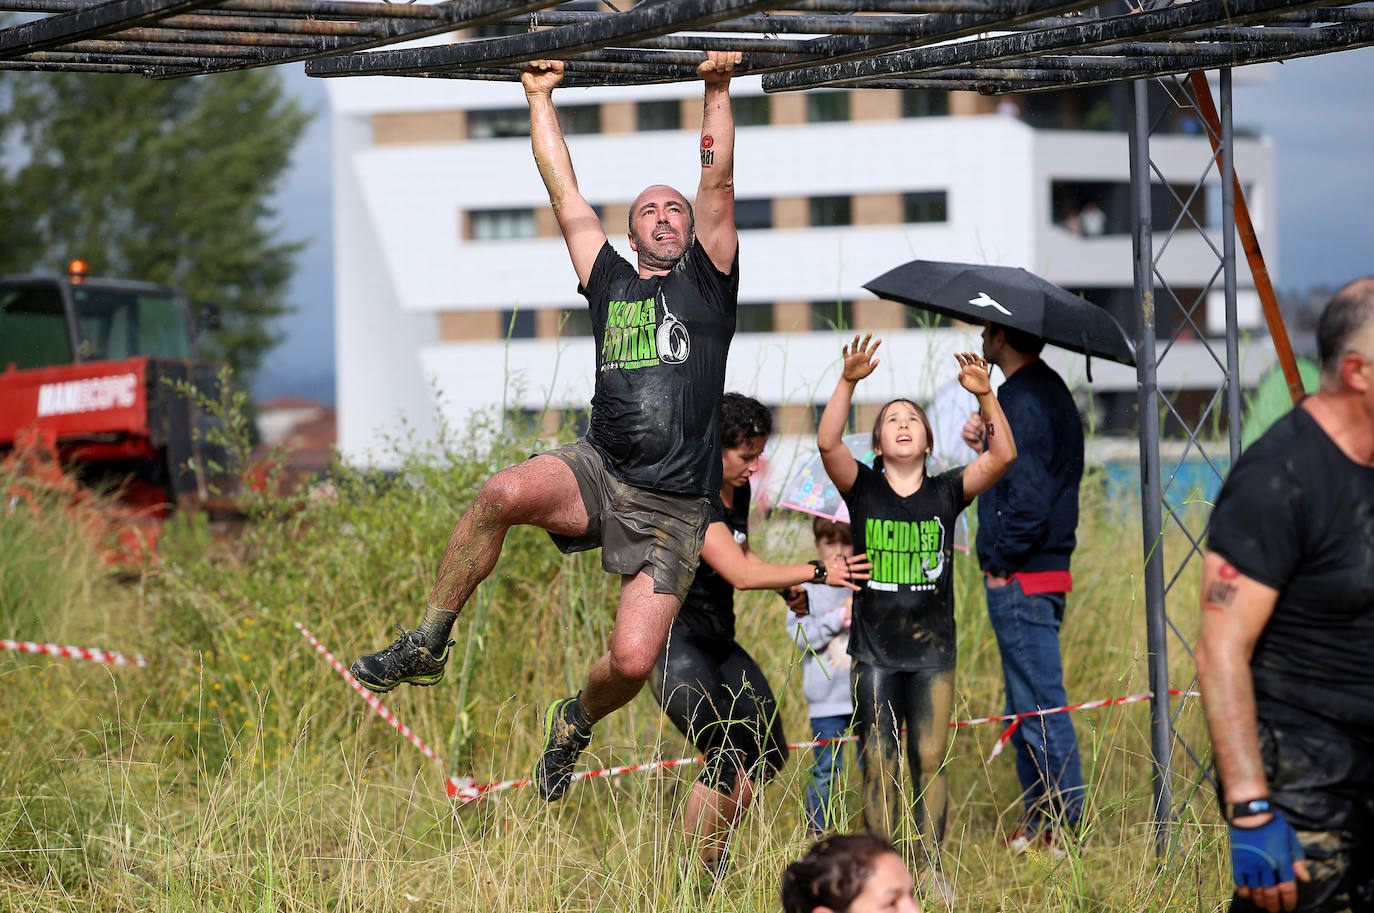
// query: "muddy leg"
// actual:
[[930, 698], [878, 708]]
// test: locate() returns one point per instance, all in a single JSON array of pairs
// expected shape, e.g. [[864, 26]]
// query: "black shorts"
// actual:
[[716, 695], [1321, 777], [635, 528]]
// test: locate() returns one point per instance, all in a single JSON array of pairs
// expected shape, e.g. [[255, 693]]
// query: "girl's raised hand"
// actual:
[[973, 373], [858, 358]]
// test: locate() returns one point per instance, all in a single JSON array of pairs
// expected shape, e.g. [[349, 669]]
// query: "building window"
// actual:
[[830, 211], [925, 206], [658, 115], [580, 119], [826, 106], [832, 315], [518, 323], [752, 214], [924, 103], [752, 110], [500, 224], [575, 323], [920, 319], [496, 123], [754, 318]]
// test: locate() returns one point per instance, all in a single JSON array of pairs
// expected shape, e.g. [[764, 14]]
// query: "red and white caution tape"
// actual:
[[379, 707], [466, 789], [1014, 719], [108, 657]]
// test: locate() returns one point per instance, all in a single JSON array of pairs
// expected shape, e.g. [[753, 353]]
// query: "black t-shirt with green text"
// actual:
[[904, 615], [1297, 515], [660, 369], [709, 609]]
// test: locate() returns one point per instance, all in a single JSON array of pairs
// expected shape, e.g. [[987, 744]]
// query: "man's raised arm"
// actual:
[[715, 206], [582, 230]]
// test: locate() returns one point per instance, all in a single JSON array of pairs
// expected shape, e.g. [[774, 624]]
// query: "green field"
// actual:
[[239, 773]]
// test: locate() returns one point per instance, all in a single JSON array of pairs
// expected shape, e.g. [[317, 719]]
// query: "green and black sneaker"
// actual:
[[406, 661], [563, 743]]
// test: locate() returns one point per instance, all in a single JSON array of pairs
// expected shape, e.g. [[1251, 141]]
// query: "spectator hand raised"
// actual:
[[973, 373], [858, 357]]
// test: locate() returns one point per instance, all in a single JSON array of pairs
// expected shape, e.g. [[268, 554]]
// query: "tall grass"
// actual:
[[239, 773]]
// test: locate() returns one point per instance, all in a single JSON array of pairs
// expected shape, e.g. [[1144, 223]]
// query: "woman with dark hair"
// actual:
[[849, 873], [710, 688]]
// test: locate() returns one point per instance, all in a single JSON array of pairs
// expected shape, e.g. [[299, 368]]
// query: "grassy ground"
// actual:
[[239, 773]]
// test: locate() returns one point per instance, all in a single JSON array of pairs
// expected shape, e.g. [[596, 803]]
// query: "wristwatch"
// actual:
[[1241, 809], [820, 573]]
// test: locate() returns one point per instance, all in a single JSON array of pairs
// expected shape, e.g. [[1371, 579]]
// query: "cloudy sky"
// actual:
[[1316, 110]]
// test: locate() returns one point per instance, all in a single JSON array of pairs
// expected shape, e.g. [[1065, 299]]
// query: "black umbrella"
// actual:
[[1011, 297]]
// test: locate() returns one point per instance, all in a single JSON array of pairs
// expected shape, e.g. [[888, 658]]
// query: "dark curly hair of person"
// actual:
[[743, 418], [832, 873]]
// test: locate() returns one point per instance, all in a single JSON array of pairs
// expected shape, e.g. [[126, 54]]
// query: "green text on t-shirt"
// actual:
[[630, 337], [904, 551]]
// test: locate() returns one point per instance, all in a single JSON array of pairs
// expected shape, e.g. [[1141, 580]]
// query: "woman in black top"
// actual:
[[710, 688]]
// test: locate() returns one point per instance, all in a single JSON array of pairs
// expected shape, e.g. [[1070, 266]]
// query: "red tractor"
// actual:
[[99, 372]]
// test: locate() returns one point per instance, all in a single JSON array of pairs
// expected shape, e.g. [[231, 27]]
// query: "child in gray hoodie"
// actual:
[[823, 635]]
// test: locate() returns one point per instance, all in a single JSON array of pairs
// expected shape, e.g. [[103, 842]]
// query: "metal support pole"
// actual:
[[1228, 259], [1161, 743]]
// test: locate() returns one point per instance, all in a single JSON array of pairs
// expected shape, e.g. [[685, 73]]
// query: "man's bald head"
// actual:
[[1346, 325], [661, 190], [661, 227]]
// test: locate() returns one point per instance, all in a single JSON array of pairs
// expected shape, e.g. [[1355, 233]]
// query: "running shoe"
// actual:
[[562, 744], [406, 661], [1045, 843]]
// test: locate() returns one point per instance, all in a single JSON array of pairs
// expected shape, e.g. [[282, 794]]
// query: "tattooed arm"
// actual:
[[715, 210], [1235, 610]]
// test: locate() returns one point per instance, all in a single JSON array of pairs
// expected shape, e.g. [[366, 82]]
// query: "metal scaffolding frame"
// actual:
[[1158, 495], [990, 46], [1015, 46]]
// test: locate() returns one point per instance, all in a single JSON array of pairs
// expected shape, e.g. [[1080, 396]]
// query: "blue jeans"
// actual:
[[1047, 764], [820, 813]]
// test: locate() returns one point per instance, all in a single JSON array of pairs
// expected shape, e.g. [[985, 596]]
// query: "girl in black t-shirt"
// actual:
[[710, 688], [902, 636]]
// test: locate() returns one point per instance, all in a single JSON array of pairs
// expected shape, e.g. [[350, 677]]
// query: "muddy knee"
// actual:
[[498, 502], [632, 664]]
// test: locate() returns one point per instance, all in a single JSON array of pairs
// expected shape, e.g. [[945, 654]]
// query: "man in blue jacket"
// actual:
[[1026, 535]]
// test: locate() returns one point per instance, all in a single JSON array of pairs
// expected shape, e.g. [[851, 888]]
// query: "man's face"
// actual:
[[991, 338], [660, 227], [1358, 370]]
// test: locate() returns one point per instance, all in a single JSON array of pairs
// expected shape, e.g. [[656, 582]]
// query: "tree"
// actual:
[[166, 181]]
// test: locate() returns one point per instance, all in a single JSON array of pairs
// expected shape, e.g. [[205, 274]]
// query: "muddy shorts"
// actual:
[[636, 529], [1322, 777]]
